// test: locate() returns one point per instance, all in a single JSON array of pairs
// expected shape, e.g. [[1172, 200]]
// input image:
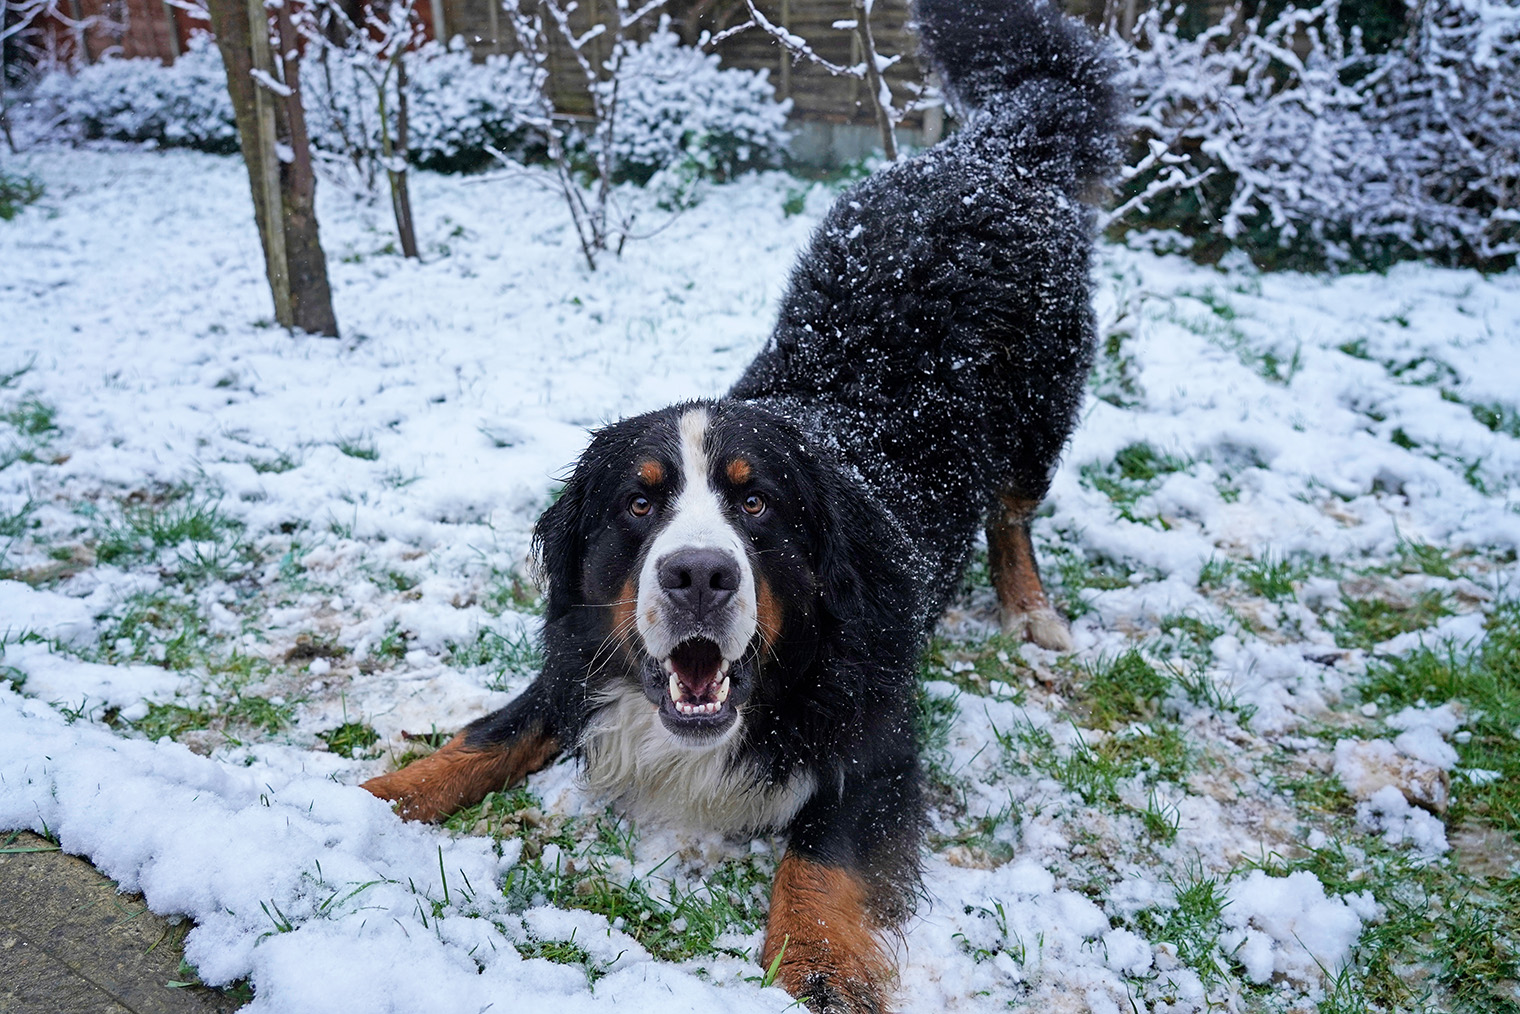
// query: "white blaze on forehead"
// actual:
[[697, 520]]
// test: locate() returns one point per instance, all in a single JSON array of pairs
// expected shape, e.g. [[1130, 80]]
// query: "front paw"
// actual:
[[831, 991], [822, 942], [410, 795]]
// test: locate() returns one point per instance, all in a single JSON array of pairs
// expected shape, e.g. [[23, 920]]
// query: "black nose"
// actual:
[[699, 580]]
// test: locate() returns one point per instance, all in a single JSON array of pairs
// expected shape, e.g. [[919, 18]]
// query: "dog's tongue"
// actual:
[[696, 664]]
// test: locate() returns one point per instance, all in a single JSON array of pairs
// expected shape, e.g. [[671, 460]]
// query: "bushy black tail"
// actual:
[[1040, 80]]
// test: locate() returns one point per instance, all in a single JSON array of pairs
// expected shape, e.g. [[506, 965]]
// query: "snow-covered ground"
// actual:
[[261, 547]]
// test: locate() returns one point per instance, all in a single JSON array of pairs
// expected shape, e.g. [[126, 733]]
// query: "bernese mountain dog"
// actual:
[[738, 590]]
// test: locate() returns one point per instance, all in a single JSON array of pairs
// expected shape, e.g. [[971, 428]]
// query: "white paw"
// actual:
[[1044, 627]]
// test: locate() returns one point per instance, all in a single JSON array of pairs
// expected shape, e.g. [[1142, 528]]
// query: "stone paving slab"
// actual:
[[70, 943]]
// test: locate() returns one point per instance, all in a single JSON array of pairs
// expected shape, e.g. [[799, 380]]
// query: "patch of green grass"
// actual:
[[1213, 300], [1447, 940], [1002, 942], [516, 813], [17, 190], [9, 378], [674, 923], [1158, 749], [505, 655], [1276, 578], [206, 540], [1201, 689], [167, 629], [1077, 572], [351, 739], [1115, 373], [362, 447], [173, 721], [235, 714], [1498, 417], [1316, 792], [1421, 371], [401, 581], [1135, 472], [13, 525], [1421, 558], [1192, 924], [1189, 637], [283, 462], [157, 628], [1367, 622], [33, 423], [510, 590], [796, 201], [1162, 820], [391, 649], [1123, 689], [1356, 349], [1221, 328], [933, 718], [240, 992], [1091, 775], [1487, 683], [259, 712], [1155, 752], [983, 835], [395, 478], [564, 952], [31, 417], [980, 666], [1216, 572], [15, 677]]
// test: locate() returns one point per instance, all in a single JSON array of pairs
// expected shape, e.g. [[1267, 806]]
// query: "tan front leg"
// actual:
[[458, 775], [821, 929]]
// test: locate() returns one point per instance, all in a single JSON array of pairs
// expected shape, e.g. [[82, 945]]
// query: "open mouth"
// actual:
[[696, 691], [698, 678]]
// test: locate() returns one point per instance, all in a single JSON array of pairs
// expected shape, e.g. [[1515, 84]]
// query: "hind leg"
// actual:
[[1023, 607]]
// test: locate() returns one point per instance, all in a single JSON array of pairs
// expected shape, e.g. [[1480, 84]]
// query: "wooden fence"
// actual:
[[154, 28]]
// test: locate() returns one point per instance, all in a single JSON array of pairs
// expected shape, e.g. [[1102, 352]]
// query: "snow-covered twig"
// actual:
[[870, 70]]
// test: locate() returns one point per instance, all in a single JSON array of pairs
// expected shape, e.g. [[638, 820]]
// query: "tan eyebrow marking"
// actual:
[[652, 472], [739, 471]]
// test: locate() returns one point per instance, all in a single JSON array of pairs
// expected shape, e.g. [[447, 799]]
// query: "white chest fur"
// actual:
[[632, 760]]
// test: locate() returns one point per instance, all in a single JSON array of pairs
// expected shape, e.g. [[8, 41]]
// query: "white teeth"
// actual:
[[710, 708]]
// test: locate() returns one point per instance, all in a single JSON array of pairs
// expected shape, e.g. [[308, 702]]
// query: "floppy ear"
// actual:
[[861, 572], [558, 547]]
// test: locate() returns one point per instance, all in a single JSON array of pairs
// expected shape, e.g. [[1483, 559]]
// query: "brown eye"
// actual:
[[754, 505], [639, 506]]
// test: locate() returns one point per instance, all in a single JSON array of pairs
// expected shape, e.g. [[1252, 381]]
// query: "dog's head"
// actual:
[[697, 550]]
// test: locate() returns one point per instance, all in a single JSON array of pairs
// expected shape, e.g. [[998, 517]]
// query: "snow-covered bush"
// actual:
[[676, 105], [457, 106], [1448, 108], [183, 105], [1287, 139]]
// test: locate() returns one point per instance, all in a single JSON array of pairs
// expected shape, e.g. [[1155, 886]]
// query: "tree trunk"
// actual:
[[401, 195], [272, 133]]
